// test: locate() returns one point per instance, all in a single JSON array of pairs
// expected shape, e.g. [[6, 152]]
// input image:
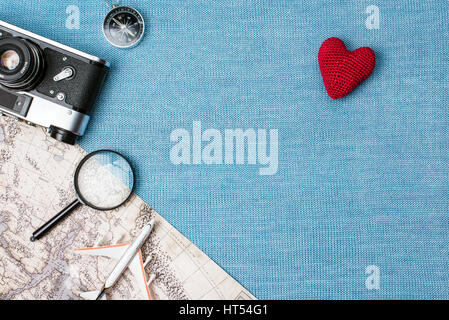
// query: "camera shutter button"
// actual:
[[60, 96]]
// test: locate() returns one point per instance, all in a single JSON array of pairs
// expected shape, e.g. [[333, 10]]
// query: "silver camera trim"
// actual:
[[54, 43], [45, 113]]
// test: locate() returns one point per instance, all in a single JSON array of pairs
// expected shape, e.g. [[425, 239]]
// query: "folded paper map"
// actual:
[[36, 181]]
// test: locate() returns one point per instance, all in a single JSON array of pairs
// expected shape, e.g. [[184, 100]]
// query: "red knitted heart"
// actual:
[[343, 70]]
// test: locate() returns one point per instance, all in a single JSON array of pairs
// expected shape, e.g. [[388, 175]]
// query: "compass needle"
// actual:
[[123, 26]]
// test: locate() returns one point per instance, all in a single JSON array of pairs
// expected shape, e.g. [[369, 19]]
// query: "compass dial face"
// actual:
[[123, 27]]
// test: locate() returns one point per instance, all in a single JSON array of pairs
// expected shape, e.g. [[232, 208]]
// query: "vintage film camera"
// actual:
[[47, 83]]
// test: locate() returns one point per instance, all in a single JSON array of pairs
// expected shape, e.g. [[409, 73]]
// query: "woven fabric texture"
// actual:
[[362, 181], [343, 70]]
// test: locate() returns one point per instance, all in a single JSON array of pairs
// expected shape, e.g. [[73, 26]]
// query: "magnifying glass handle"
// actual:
[[53, 221]]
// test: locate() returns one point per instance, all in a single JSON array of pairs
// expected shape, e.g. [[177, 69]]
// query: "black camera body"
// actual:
[[47, 83]]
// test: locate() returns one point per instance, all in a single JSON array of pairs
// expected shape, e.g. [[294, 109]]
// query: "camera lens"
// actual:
[[21, 63], [9, 60]]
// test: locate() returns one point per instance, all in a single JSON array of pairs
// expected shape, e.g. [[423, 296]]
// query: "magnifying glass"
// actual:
[[104, 180]]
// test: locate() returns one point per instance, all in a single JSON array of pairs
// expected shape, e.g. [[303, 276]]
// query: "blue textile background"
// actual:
[[362, 180]]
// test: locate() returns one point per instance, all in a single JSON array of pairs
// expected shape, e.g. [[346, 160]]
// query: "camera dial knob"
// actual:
[[66, 73]]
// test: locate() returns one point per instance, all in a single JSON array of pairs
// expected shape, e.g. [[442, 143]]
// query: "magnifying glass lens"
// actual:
[[104, 180]]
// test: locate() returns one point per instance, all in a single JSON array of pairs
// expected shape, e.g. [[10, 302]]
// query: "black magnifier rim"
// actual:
[[75, 180]]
